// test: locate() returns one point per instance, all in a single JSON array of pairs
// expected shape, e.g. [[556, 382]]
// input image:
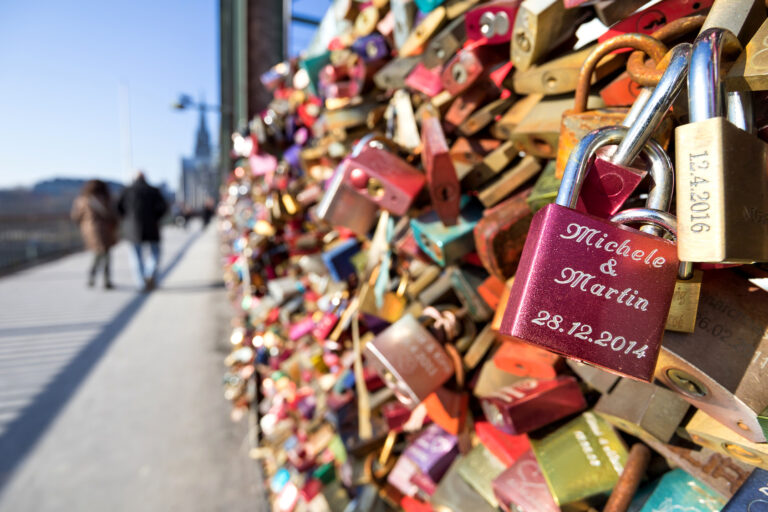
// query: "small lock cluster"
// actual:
[[477, 266]]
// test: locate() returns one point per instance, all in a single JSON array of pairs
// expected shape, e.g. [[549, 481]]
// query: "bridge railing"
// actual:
[[27, 239]]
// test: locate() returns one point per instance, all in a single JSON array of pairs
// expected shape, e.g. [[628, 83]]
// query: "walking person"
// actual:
[[142, 206], [94, 212]]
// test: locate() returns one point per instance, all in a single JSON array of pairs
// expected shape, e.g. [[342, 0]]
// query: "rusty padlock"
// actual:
[[578, 121]]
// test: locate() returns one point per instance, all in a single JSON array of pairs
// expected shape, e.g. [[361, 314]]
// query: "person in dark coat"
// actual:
[[142, 206], [94, 212]]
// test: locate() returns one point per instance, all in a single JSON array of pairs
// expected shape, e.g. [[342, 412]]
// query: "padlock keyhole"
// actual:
[[685, 383]]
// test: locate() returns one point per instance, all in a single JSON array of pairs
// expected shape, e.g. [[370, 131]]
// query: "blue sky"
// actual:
[[61, 66]]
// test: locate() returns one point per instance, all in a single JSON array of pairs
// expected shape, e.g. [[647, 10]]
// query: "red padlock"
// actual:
[[470, 64], [492, 21], [591, 289], [651, 19], [442, 182], [382, 177]]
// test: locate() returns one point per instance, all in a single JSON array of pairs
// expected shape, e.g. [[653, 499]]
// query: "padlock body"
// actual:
[[685, 491], [575, 126], [445, 44], [593, 291], [433, 451], [410, 360], [751, 493], [500, 235], [722, 193], [396, 183], [493, 21], [710, 433], [728, 380], [522, 487], [447, 244], [643, 410], [533, 403], [582, 458], [424, 80]]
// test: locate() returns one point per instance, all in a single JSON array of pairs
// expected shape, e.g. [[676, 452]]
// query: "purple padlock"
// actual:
[[371, 48]]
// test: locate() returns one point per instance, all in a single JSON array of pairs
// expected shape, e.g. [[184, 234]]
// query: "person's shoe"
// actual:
[[108, 286], [91, 282], [149, 284]]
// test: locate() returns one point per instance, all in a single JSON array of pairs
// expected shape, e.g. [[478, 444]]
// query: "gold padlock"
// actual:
[[393, 303]]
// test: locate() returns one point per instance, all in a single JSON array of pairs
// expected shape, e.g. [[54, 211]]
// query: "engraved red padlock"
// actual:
[[591, 289]]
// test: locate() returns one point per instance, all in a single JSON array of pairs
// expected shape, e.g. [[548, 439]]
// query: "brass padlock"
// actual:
[[540, 27], [421, 33], [749, 71], [490, 166], [722, 184], [708, 432], [502, 129], [509, 181], [538, 132], [685, 300], [560, 75], [393, 303]]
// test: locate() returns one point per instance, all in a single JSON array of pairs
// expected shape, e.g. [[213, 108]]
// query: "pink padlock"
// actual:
[[591, 289], [301, 328]]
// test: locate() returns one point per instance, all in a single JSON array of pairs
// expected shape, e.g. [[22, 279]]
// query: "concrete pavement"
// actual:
[[113, 400]]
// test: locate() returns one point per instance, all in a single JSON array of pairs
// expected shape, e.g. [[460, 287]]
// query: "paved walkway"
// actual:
[[112, 400]]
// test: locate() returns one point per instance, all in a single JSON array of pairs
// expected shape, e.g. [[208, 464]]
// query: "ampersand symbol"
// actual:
[[607, 267]]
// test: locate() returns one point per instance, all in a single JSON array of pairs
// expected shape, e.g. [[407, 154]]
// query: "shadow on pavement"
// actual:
[[22, 434]]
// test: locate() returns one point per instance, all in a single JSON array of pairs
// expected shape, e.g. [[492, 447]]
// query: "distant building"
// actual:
[[199, 179]]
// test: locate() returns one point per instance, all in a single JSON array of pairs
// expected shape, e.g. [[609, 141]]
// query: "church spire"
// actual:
[[203, 142]]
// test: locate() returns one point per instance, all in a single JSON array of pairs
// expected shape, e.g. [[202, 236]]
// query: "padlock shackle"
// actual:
[[661, 99], [658, 219], [664, 220], [660, 195], [653, 47], [705, 87], [649, 76]]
